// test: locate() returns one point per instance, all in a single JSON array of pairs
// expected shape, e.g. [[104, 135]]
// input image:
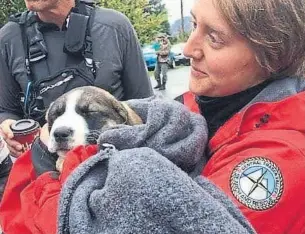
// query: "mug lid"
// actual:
[[24, 125]]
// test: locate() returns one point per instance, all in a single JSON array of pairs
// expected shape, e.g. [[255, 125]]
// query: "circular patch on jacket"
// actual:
[[257, 183]]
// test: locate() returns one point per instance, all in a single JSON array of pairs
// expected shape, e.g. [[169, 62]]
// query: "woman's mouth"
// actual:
[[195, 72]]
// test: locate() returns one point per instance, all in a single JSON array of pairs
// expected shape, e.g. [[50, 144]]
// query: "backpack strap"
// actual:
[[78, 39], [35, 51], [34, 46]]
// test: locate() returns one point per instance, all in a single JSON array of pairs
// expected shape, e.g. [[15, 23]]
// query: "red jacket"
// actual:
[[29, 204], [258, 159]]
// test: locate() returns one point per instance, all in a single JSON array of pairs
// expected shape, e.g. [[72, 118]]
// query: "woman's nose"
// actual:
[[192, 48]]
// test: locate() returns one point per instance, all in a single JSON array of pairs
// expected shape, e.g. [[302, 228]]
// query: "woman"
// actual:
[[245, 58]]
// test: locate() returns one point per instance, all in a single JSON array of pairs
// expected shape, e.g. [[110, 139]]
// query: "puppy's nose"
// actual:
[[62, 134]]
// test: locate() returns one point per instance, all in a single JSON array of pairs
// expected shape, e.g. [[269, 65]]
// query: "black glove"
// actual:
[[42, 159]]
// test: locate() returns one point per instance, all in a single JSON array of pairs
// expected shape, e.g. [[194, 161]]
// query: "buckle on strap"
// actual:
[[35, 54], [37, 47]]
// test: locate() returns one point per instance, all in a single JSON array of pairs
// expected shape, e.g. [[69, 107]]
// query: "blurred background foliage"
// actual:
[[8, 7], [148, 17]]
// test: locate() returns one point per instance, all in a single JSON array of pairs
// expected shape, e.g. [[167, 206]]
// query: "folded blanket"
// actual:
[[138, 182], [169, 128]]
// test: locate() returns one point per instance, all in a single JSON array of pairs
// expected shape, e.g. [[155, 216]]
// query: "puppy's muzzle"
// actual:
[[63, 134]]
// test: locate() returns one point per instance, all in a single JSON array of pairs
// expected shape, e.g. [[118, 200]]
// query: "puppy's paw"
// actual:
[[59, 164]]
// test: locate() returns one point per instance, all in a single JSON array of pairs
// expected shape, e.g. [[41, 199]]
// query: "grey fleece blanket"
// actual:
[[139, 182]]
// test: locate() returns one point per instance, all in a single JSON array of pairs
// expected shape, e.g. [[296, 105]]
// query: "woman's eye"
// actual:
[[215, 41], [194, 25]]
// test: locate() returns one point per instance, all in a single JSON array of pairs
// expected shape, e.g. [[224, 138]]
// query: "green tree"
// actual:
[[158, 7], [8, 7], [146, 23], [155, 6]]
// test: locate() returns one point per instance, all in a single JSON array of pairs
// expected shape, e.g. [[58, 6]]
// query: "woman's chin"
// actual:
[[198, 88]]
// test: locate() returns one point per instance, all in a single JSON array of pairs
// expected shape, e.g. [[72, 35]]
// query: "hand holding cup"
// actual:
[[6, 132], [25, 131]]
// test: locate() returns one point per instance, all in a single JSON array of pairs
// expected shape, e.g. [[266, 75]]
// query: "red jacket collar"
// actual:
[[288, 113]]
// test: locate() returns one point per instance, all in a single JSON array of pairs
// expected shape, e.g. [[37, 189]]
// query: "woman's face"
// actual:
[[222, 61]]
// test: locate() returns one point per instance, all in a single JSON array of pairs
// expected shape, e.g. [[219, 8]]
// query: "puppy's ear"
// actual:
[[130, 117], [47, 112]]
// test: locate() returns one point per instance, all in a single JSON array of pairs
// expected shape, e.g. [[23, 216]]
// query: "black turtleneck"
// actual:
[[217, 110]]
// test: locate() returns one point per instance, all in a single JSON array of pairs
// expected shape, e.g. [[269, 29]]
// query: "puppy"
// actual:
[[79, 116]]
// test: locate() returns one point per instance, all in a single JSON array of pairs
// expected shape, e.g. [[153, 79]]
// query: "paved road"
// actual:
[[177, 82]]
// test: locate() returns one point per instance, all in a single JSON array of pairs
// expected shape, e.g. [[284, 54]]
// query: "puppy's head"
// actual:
[[79, 116]]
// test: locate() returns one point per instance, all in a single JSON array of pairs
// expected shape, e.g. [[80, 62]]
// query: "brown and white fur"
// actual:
[[79, 116]]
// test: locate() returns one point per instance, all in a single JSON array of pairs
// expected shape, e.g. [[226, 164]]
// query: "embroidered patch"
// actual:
[[257, 183]]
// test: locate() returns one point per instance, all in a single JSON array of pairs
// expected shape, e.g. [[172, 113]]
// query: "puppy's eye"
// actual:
[[59, 112], [83, 110]]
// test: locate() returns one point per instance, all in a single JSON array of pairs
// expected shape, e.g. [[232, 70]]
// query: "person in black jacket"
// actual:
[[116, 59], [55, 47]]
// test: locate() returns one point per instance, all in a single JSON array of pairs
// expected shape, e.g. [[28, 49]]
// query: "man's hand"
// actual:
[[5, 130]]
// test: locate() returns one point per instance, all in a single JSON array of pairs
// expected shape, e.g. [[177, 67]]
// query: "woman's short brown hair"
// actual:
[[274, 28]]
